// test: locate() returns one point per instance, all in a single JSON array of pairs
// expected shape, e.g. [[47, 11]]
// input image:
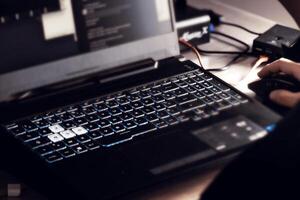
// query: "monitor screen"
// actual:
[[34, 32]]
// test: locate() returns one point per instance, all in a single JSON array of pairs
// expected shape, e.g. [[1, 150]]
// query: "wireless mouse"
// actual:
[[265, 86]]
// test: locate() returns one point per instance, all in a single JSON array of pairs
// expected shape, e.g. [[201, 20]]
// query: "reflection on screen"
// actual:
[[33, 32]]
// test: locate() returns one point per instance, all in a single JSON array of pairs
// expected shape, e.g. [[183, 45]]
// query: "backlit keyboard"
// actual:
[[121, 117]]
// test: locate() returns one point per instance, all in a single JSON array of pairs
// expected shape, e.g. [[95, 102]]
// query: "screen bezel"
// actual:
[[158, 47]]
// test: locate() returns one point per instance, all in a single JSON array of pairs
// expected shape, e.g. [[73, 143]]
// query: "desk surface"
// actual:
[[259, 16]]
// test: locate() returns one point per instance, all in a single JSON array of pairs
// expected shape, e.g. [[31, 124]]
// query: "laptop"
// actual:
[[96, 101]]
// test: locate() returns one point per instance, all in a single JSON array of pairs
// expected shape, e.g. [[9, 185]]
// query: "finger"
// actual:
[[282, 65], [285, 98]]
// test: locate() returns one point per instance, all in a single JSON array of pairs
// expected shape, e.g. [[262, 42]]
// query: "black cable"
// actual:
[[238, 54], [240, 27], [231, 38], [224, 52]]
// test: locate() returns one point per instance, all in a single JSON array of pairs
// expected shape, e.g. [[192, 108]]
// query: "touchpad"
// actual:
[[231, 134], [169, 152]]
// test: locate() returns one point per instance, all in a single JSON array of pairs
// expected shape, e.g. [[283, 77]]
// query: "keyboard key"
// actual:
[[147, 102], [80, 121], [104, 123], [53, 157], [139, 112], [206, 77], [133, 97], [206, 84], [158, 98], [155, 91], [170, 103], [215, 89], [92, 145], [42, 141], [55, 138], [137, 105], [29, 136], [152, 117], [180, 92], [148, 110], [118, 128], [238, 96], [173, 111], [190, 89], [83, 138], [114, 111], [58, 146], [129, 124], [68, 134], [160, 124], [162, 114], [79, 149], [89, 110], [123, 100], [140, 121], [220, 85], [91, 127], [169, 95], [112, 104], [192, 105], [44, 132], [159, 107], [207, 92], [68, 124], [28, 126], [17, 131], [104, 114], [171, 120], [43, 150], [145, 94], [92, 118], [233, 101], [67, 152], [41, 123], [65, 116], [126, 135], [182, 84], [106, 131], [56, 128], [222, 105], [79, 131], [185, 99], [77, 114], [115, 120], [199, 94], [95, 135], [169, 87], [54, 120], [198, 86], [126, 108], [101, 107], [126, 116], [71, 142], [190, 81]]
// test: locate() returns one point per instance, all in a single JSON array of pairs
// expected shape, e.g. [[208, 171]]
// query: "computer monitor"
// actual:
[[49, 41]]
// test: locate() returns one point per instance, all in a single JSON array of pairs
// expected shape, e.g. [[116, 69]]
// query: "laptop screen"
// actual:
[[45, 42], [33, 32]]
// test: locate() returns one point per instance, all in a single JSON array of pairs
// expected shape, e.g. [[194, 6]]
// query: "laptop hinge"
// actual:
[[121, 72]]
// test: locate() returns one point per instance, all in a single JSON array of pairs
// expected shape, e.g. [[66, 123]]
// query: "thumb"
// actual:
[[285, 98]]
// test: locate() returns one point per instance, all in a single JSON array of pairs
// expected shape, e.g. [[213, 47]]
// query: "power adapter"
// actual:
[[279, 41]]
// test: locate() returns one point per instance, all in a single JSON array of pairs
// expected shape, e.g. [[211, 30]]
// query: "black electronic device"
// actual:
[[279, 41], [265, 86], [106, 107], [193, 25]]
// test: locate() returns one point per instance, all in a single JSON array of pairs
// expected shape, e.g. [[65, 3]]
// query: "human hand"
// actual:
[[283, 97]]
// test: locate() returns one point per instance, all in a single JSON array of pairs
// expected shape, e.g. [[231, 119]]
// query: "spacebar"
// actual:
[[127, 135]]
